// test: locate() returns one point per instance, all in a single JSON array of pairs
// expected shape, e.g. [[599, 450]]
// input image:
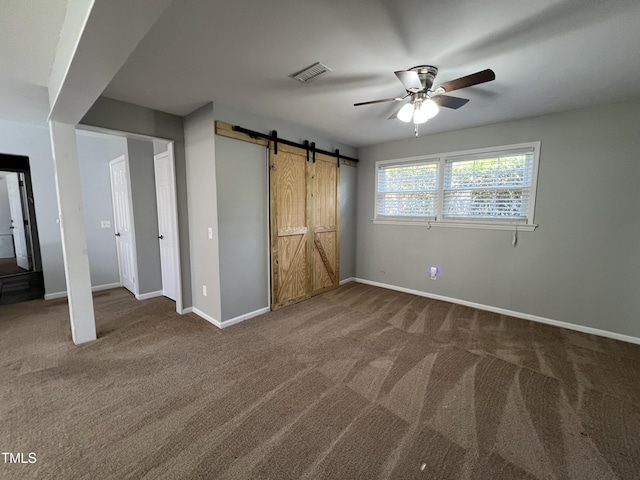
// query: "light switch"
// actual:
[[105, 224], [210, 233]]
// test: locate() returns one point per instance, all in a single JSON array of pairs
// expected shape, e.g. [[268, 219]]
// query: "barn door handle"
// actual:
[[117, 234], [161, 237]]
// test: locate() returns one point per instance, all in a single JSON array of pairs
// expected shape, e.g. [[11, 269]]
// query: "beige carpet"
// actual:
[[358, 383]]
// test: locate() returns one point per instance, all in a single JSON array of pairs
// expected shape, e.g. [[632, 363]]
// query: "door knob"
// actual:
[[117, 234], [161, 237]]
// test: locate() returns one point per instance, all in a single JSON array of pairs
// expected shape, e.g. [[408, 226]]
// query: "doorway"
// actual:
[[20, 265], [145, 216]]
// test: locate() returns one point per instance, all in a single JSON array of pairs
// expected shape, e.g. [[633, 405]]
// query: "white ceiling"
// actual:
[[548, 55], [29, 32]]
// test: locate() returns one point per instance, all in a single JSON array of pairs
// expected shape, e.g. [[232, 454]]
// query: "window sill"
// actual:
[[521, 227]]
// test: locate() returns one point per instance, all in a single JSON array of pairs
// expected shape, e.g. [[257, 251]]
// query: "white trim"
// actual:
[[106, 286], [521, 227], [246, 316], [186, 310], [146, 296], [231, 321], [398, 221], [441, 159], [347, 280], [97, 288], [510, 313], [55, 296]]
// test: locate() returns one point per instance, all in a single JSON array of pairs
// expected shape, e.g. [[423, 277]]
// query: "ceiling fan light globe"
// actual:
[[406, 113], [420, 115], [430, 108]]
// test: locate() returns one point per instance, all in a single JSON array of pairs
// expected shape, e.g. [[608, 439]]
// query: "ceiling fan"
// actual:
[[425, 100]]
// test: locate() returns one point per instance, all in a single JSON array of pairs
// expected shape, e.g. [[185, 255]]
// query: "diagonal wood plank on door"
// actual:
[[289, 227]]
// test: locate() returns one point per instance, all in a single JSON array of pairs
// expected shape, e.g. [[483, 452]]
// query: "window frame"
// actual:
[[439, 221], [410, 220]]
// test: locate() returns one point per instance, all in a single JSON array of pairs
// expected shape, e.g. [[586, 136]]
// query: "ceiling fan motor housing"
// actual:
[[427, 74]]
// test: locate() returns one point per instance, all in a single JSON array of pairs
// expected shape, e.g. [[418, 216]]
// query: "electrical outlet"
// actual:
[[434, 271], [105, 224], [204, 290]]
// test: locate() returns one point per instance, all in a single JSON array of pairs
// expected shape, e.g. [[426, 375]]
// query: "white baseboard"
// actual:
[[186, 310], [246, 316], [510, 313], [97, 288], [231, 321], [347, 280], [146, 296]]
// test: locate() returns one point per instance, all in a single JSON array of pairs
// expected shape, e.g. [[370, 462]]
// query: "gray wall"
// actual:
[[125, 117], [160, 146], [348, 175], [243, 226], [145, 215], [580, 266], [246, 262], [348, 211], [94, 154], [34, 142], [203, 214], [286, 130]]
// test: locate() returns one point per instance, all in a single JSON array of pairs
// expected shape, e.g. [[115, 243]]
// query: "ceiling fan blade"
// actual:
[[449, 101], [410, 80], [395, 99], [468, 81]]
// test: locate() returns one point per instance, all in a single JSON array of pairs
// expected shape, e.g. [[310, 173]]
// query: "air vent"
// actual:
[[309, 73]]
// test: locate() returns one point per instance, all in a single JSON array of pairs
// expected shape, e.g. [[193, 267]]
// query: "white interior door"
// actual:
[[167, 224], [17, 221], [123, 224]]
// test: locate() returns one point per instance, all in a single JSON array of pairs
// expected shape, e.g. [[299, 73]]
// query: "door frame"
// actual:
[[176, 237], [20, 164], [18, 221], [119, 133]]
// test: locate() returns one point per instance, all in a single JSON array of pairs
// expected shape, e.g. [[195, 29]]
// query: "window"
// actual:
[[487, 188], [408, 190]]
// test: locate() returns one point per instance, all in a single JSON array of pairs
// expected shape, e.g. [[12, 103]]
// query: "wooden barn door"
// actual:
[[325, 256], [304, 225]]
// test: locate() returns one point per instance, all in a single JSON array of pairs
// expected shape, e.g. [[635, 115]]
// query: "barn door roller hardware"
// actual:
[[306, 146]]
